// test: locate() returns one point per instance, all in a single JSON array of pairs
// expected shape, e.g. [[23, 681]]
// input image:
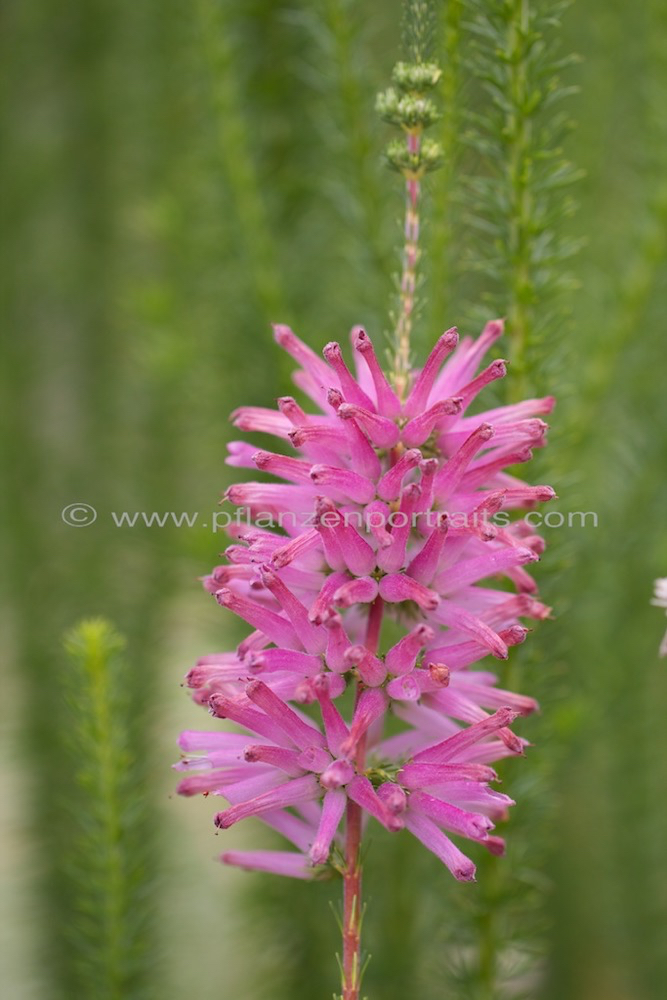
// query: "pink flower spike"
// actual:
[[401, 658], [388, 403], [333, 807], [451, 474], [419, 428], [276, 628], [362, 590], [370, 707], [222, 707], [397, 588], [371, 669], [351, 485], [274, 862], [425, 564], [334, 726], [383, 432], [290, 793], [361, 791], [436, 841], [322, 606], [454, 745], [351, 388], [302, 734], [313, 637], [392, 558], [389, 486], [418, 399]]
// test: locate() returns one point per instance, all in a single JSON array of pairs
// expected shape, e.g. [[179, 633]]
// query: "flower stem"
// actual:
[[352, 902], [519, 143], [408, 285]]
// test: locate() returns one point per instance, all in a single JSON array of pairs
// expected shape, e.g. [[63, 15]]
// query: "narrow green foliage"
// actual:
[[441, 233], [236, 158], [104, 866], [518, 193]]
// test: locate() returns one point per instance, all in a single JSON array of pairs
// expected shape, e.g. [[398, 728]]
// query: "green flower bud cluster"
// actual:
[[415, 78], [407, 110], [414, 165], [405, 104]]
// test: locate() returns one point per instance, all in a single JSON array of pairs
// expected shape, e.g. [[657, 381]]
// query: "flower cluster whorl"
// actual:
[[387, 507]]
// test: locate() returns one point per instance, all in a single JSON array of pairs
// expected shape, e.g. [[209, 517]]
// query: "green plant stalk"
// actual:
[[441, 240], [521, 290], [237, 160], [408, 284], [352, 878], [358, 140]]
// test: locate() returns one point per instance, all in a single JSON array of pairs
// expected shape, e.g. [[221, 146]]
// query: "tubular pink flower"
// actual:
[[274, 862], [363, 590], [382, 432], [333, 807], [387, 401], [401, 658], [435, 840], [418, 399]]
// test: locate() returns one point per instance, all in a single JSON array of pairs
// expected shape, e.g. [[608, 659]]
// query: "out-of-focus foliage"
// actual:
[[176, 175], [104, 869]]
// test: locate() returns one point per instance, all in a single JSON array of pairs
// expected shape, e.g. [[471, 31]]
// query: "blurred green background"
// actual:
[[176, 175]]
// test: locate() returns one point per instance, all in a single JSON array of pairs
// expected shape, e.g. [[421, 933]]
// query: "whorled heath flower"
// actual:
[[386, 510]]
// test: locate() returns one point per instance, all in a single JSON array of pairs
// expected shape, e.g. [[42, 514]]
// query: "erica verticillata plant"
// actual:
[[361, 572], [386, 511]]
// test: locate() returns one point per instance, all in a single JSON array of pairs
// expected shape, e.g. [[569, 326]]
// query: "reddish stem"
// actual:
[[409, 274], [352, 908]]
